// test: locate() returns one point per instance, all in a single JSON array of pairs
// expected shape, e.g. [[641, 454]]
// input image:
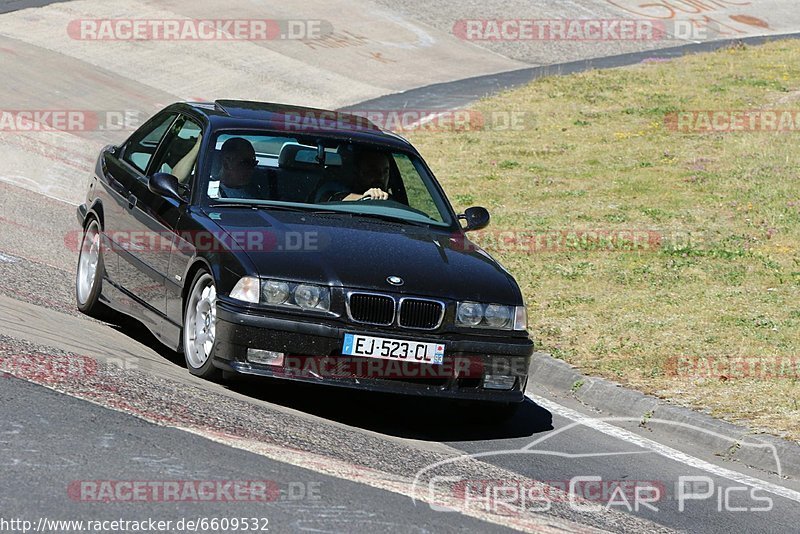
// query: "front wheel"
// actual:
[[200, 326], [89, 279]]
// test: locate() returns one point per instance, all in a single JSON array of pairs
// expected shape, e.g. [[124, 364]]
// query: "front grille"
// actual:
[[422, 314], [371, 309]]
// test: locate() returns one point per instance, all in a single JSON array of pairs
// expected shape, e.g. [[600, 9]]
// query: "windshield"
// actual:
[[333, 175]]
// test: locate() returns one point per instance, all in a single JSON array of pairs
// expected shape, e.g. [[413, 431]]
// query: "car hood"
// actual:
[[361, 253]]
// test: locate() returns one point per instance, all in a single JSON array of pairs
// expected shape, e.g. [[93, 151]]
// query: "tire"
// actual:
[[199, 327], [91, 269]]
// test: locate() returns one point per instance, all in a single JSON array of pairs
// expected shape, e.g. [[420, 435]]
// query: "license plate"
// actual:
[[393, 349]]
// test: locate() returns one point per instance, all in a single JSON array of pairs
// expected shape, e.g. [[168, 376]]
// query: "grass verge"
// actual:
[[666, 260]]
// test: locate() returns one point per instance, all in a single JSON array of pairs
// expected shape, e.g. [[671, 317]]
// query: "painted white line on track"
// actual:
[[381, 480], [343, 470], [601, 425], [7, 259]]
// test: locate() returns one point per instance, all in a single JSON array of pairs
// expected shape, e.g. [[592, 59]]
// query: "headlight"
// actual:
[[294, 295], [275, 292], [469, 314], [307, 297], [491, 316], [497, 316], [246, 289]]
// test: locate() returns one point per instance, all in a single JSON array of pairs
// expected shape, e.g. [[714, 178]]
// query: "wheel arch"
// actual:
[[95, 212], [198, 264]]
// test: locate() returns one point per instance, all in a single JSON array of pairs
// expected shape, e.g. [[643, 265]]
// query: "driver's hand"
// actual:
[[376, 194]]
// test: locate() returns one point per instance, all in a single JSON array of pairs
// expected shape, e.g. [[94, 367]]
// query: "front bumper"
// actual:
[[313, 354]]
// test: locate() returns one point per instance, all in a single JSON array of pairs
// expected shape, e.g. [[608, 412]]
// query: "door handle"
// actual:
[[131, 201]]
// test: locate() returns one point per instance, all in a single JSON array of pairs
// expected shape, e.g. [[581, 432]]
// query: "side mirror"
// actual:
[[477, 218], [165, 185]]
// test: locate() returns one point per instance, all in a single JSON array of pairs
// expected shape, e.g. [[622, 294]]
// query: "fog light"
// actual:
[[499, 381], [265, 357]]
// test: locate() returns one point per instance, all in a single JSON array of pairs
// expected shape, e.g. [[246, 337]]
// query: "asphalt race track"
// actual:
[[113, 407]]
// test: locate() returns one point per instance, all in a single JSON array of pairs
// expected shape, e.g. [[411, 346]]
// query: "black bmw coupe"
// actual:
[[299, 244]]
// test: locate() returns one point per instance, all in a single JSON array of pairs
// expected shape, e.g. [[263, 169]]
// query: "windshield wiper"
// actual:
[[392, 218], [253, 205], [320, 211], [296, 209]]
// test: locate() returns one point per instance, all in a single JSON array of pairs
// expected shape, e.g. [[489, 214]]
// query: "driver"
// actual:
[[372, 177]]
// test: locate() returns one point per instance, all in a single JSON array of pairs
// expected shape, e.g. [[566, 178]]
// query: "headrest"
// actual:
[[297, 156]]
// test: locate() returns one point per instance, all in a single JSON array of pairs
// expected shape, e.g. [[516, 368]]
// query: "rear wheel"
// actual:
[[89, 280], [200, 326]]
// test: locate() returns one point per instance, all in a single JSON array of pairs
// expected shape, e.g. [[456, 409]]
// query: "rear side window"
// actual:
[[143, 144]]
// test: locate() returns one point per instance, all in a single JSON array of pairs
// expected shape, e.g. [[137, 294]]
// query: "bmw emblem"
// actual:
[[395, 280]]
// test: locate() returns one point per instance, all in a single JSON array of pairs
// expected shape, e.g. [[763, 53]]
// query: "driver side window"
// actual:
[[178, 156], [141, 147]]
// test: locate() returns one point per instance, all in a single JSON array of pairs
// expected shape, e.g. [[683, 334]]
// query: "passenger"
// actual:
[[236, 176]]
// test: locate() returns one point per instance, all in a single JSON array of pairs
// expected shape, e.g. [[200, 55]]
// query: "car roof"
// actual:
[[299, 120]]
